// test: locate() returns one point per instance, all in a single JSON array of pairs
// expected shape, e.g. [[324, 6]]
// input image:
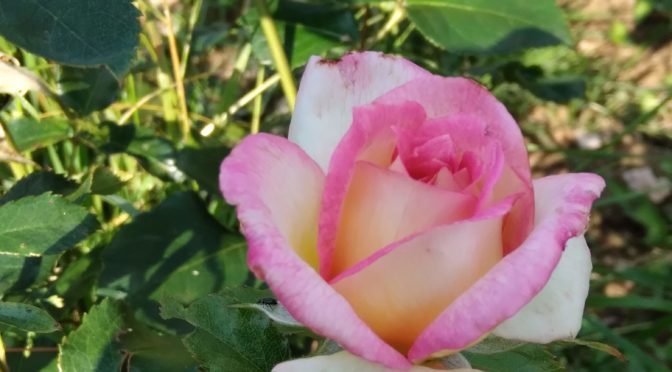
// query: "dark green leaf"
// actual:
[[42, 362], [638, 359], [630, 302], [202, 165], [559, 89], [105, 182], [45, 224], [493, 344], [19, 273], [94, 346], [38, 183], [596, 346], [27, 317], [526, 358], [86, 90], [29, 134], [486, 26], [228, 338], [327, 18], [157, 155], [74, 32], [176, 248], [148, 351]]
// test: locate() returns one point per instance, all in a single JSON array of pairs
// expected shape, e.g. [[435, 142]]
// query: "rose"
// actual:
[[401, 220]]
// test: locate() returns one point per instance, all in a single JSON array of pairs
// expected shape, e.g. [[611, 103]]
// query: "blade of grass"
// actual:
[[256, 106], [278, 54]]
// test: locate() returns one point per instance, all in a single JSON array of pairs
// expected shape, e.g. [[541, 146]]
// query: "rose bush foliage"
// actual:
[[400, 218]]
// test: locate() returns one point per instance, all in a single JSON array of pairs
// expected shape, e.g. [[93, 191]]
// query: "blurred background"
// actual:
[[137, 138]]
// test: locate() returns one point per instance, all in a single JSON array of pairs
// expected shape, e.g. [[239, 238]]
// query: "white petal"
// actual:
[[342, 362], [555, 313], [330, 89]]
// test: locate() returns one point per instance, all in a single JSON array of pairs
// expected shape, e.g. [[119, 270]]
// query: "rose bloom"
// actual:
[[401, 220]]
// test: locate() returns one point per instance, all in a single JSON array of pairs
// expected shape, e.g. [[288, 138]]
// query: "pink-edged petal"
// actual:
[[399, 291], [562, 207], [276, 187], [277, 190], [520, 221], [371, 139], [450, 97], [329, 91], [383, 206], [556, 312], [344, 362]]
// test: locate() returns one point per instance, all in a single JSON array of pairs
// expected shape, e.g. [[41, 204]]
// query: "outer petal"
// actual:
[[562, 206], [556, 312], [342, 362], [277, 189], [329, 91]]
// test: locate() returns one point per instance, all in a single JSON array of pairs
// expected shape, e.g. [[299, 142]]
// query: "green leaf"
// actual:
[[108, 338], [27, 317], [45, 224], [157, 155], [177, 248], [86, 90], [309, 29], [74, 32], [596, 346], [202, 165], [29, 134], [228, 338], [19, 273], [526, 358], [99, 181], [147, 351], [277, 313], [489, 27], [105, 182], [38, 183], [94, 345], [638, 359], [493, 344], [630, 302]]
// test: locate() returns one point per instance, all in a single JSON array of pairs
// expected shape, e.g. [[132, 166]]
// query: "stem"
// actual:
[[3, 357], [185, 125], [278, 54], [397, 16], [186, 48], [247, 98], [256, 108]]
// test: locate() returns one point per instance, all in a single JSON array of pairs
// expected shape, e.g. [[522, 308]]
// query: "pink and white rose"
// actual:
[[401, 220]]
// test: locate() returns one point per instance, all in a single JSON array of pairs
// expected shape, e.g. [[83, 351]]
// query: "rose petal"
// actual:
[[277, 189], [450, 97], [329, 91], [371, 139], [267, 176], [458, 97], [382, 207], [562, 207], [556, 312], [342, 362], [399, 291]]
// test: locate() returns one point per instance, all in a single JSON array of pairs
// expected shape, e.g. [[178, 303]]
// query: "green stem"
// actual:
[[278, 54]]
